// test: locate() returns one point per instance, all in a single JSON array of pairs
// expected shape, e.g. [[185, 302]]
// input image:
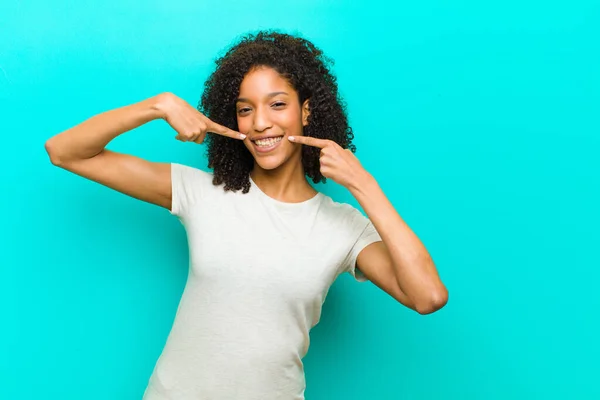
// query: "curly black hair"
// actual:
[[306, 69]]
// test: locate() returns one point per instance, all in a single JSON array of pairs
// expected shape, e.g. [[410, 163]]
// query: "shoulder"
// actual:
[[344, 214], [189, 185], [185, 173]]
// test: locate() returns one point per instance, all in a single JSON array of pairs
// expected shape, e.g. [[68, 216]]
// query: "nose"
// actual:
[[261, 120]]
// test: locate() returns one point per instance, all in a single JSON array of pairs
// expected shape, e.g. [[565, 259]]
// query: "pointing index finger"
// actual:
[[310, 141], [224, 131]]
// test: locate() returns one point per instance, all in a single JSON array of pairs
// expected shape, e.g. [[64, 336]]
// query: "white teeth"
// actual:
[[268, 142]]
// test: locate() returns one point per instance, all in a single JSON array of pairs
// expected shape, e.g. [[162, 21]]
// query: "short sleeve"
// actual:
[[188, 185], [363, 234]]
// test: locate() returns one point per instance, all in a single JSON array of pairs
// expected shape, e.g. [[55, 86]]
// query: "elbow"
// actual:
[[52, 153], [432, 303]]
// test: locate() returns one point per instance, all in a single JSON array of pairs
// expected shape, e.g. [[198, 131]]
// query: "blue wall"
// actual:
[[480, 120]]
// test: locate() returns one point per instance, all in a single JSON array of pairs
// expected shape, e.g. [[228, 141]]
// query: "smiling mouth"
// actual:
[[268, 142]]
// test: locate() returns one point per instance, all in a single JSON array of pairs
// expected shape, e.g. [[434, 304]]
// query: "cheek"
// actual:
[[243, 125], [291, 121]]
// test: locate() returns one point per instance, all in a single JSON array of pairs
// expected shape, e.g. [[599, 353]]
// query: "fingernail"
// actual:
[[242, 136], [291, 138]]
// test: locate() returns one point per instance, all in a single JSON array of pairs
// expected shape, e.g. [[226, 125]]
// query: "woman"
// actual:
[[265, 246]]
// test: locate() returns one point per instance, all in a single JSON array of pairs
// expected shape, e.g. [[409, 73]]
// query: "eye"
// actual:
[[278, 104], [244, 110]]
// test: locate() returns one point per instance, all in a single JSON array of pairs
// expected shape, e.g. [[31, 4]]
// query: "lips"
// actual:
[[265, 137], [266, 144]]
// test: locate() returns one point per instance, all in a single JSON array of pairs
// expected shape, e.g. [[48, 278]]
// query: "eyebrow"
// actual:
[[241, 99]]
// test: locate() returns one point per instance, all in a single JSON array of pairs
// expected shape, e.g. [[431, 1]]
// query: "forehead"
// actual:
[[263, 80]]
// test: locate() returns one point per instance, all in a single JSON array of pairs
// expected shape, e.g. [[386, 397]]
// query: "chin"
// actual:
[[270, 162]]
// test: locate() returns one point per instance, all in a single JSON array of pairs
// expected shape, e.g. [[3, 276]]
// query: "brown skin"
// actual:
[[400, 265], [278, 173], [81, 149]]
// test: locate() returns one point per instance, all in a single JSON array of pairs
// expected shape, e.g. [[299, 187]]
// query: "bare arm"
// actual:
[[81, 149], [400, 264]]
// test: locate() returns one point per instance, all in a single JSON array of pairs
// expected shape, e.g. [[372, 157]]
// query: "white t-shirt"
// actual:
[[259, 273]]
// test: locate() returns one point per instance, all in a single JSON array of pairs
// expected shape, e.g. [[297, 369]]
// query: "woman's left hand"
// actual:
[[338, 164]]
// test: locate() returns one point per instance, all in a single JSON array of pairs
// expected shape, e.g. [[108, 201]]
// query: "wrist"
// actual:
[[159, 105], [363, 184]]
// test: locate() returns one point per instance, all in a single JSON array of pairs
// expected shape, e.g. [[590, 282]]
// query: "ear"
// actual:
[[305, 112]]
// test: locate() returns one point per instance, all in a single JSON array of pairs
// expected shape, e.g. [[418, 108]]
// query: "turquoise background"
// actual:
[[479, 119]]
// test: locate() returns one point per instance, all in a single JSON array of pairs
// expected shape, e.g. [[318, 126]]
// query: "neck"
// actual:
[[286, 183]]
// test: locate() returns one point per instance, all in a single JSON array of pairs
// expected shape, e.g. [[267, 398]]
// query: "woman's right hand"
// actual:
[[81, 149], [190, 124]]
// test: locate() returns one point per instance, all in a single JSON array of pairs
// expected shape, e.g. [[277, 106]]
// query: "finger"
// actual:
[[309, 141], [328, 161], [199, 139], [224, 131]]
